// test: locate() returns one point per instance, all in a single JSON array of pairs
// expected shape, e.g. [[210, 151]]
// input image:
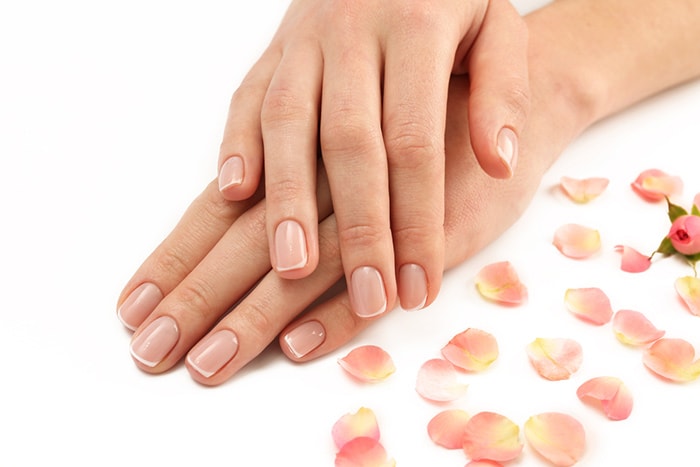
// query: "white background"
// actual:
[[110, 120]]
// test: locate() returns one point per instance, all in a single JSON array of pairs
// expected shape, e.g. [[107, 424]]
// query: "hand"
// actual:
[[195, 271], [375, 75]]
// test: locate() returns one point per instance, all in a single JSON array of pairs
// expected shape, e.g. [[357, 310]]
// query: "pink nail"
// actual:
[[139, 304], [290, 246], [507, 146], [231, 173], [152, 345], [304, 338], [367, 292], [215, 351], [413, 287]]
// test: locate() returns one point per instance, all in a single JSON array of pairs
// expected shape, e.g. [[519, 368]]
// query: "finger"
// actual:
[[202, 225], [290, 131], [499, 93], [355, 159], [257, 320], [228, 271], [241, 151], [419, 62]]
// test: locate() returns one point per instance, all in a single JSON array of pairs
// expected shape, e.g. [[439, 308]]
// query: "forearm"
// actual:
[[613, 53]]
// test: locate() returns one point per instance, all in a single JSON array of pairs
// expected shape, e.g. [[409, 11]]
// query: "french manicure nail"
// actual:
[[139, 304], [215, 351], [367, 292], [231, 173], [156, 341], [507, 146], [304, 338], [413, 287], [290, 246]]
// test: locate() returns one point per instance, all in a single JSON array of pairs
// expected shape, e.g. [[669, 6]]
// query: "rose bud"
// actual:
[[685, 234]]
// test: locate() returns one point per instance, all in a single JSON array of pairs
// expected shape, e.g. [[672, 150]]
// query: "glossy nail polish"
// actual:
[[305, 338], [367, 292], [155, 342], [139, 304], [290, 246], [213, 353], [231, 173], [507, 146], [413, 287]]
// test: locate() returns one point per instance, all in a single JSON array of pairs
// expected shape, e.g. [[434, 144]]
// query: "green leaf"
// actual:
[[695, 211], [666, 247], [693, 258], [675, 211]]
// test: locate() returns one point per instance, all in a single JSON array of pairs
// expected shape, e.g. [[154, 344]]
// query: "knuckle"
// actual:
[[361, 236], [413, 145], [257, 322], [345, 134], [282, 105], [517, 101], [420, 237], [418, 15], [196, 295], [283, 190]]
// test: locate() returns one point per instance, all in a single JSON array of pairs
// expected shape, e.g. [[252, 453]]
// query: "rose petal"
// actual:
[[590, 304], [633, 260], [363, 452], [655, 185], [446, 429], [633, 328], [368, 363], [557, 437], [492, 436], [610, 393], [361, 424], [500, 282], [673, 359], [583, 190], [484, 463], [576, 241], [437, 381], [555, 359], [696, 201], [688, 288], [471, 350]]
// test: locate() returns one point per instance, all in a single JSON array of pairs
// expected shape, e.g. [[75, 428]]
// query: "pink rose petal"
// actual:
[[499, 282], [361, 424], [491, 436], [673, 359], [576, 241], [437, 381], [557, 437], [688, 289], [471, 350], [555, 359], [610, 393], [484, 463], [633, 328], [696, 201], [589, 304], [655, 185], [363, 452], [583, 190], [368, 363], [632, 260], [446, 429]]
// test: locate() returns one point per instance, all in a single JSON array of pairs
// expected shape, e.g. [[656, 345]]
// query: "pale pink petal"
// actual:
[[656, 185], [499, 282], [368, 363], [555, 359], [576, 241], [437, 381], [446, 429], [583, 190], [557, 437], [673, 359], [363, 452], [590, 304], [471, 350], [633, 260], [484, 463], [613, 396], [696, 201], [491, 436], [633, 328], [361, 424], [688, 288]]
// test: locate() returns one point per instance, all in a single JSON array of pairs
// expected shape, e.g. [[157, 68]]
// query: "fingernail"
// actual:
[[156, 341], [507, 146], [413, 287], [304, 338], [215, 351], [231, 173], [367, 292], [139, 304], [290, 246]]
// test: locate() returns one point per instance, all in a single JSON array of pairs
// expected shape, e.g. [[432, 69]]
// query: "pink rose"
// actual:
[[685, 235]]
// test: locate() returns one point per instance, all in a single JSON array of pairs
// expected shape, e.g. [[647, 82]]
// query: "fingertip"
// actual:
[[299, 342], [412, 287], [507, 149], [234, 183]]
